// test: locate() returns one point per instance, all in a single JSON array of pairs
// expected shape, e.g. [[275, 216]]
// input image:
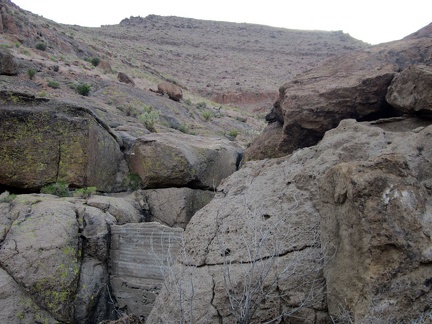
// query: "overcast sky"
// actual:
[[373, 21]]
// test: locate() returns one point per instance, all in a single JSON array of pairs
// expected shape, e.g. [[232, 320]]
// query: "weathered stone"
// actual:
[[17, 305], [410, 92], [7, 63], [122, 209], [162, 160], [140, 257], [92, 302], [59, 142], [173, 91], [353, 85], [95, 234], [123, 77], [352, 212], [175, 207], [41, 252], [376, 228]]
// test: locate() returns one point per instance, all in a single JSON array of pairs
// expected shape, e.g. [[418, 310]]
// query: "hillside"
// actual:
[[129, 198]]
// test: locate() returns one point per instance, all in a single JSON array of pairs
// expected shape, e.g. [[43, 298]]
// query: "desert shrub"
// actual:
[[201, 105], [31, 73], [134, 181], [60, 188], [53, 84], [95, 61], [233, 133], [149, 117], [41, 46], [7, 197], [188, 102], [85, 192], [207, 115], [129, 110], [184, 128], [83, 89]]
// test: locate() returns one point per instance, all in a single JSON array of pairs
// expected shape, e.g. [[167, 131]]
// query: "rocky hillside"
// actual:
[[123, 197]]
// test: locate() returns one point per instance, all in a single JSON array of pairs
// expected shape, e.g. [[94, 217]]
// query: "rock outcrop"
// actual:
[[44, 142], [7, 63], [163, 160], [410, 92], [173, 91], [298, 215], [350, 86], [123, 77], [137, 280]]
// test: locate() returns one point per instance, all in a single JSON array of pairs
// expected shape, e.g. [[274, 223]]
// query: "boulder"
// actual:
[[175, 207], [123, 77], [141, 256], [7, 63], [173, 91], [353, 85], [123, 210], [93, 302], [410, 92], [60, 142], [41, 252], [17, 305], [338, 229], [163, 160]]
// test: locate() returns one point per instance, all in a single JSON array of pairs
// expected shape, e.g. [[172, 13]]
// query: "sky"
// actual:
[[372, 21]]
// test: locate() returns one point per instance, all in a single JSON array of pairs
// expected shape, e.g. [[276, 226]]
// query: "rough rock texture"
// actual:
[[163, 160], [141, 255], [410, 91], [7, 63], [123, 77], [352, 212], [41, 252], [350, 86], [174, 92], [59, 142], [175, 207], [54, 257], [123, 210]]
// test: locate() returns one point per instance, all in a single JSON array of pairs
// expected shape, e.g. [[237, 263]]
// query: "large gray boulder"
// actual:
[[338, 229], [175, 207], [164, 160], [410, 92], [59, 142], [41, 252]]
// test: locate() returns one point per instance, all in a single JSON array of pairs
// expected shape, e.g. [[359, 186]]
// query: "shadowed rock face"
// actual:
[[43, 142], [163, 160], [350, 86]]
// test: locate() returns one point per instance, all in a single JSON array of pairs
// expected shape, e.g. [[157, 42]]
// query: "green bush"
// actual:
[[201, 105], [95, 61], [233, 133], [53, 84], [31, 73], [184, 128], [85, 192], [7, 197], [148, 119], [83, 89], [41, 46], [59, 188], [134, 181], [207, 115]]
